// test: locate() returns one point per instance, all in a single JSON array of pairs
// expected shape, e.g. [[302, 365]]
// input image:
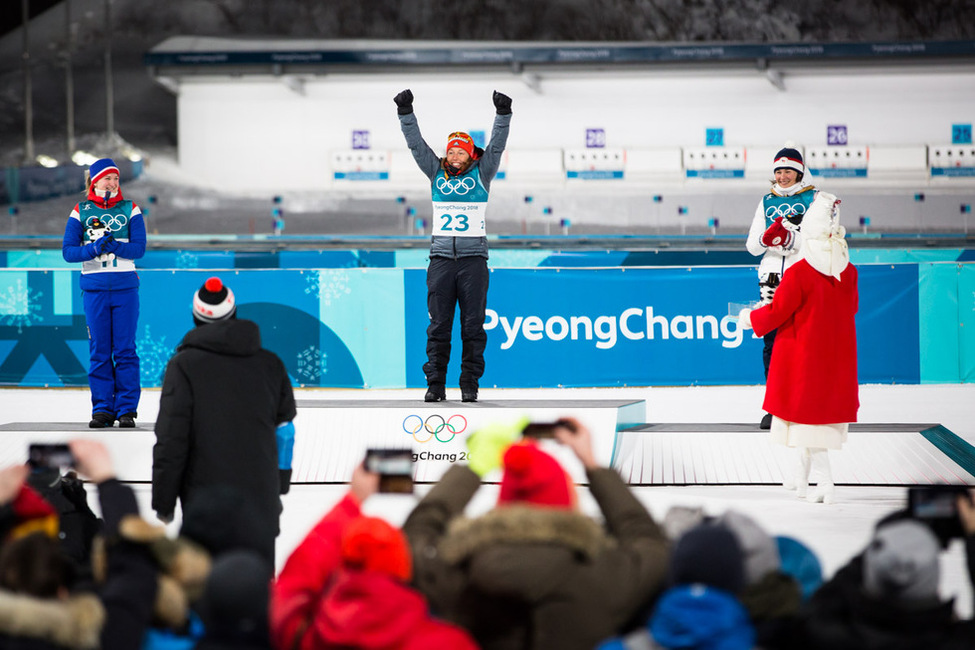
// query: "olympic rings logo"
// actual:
[[785, 210], [459, 186], [434, 426], [114, 222]]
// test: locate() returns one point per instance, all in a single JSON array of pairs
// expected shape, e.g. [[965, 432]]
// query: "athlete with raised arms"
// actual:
[[458, 272]]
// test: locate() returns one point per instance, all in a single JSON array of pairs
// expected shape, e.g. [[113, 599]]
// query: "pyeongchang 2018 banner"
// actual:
[[653, 326]]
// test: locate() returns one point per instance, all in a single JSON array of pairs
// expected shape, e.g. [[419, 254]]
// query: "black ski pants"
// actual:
[[452, 282]]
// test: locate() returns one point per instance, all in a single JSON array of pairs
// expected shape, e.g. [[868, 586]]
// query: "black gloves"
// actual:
[[404, 102], [502, 103]]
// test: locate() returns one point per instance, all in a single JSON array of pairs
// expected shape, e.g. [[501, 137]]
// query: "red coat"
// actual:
[[316, 603], [812, 378]]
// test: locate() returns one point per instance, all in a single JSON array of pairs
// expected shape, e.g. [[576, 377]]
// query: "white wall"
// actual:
[[258, 136], [246, 132]]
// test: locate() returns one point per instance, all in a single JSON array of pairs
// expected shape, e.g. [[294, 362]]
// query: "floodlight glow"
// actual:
[[46, 161], [83, 158]]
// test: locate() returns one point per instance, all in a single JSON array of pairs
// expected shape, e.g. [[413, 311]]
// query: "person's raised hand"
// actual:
[[576, 436], [92, 460], [364, 483], [11, 480], [404, 102], [502, 103]]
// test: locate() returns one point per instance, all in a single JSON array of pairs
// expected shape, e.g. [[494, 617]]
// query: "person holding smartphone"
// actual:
[[887, 596], [458, 271], [347, 585], [534, 572]]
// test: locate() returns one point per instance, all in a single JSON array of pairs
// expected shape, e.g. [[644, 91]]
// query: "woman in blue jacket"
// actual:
[[106, 233]]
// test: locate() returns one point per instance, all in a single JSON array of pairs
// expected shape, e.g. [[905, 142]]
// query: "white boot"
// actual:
[[799, 479], [824, 477]]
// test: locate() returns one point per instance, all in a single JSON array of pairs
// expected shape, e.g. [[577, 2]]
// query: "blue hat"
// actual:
[[789, 158], [799, 561], [100, 168]]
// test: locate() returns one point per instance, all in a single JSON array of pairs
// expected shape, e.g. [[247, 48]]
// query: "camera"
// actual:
[[49, 455], [937, 506], [546, 429], [395, 469]]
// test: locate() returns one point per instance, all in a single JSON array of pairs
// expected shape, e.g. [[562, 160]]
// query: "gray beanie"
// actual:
[[901, 562], [761, 552]]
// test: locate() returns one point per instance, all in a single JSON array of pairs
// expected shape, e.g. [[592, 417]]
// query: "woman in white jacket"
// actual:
[[775, 232]]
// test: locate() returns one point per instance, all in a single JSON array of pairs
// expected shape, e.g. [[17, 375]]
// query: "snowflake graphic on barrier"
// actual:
[[312, 364], [20, 306], [313, 283], [187, 260], [153, 357], [332, 284]]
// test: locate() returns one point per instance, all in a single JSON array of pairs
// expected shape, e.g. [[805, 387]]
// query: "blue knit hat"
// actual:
[[101, 168], [789, 158], [799, 561]]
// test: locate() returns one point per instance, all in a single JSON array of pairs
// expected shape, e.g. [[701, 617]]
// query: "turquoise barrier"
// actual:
[[364, 327], [193, 256]]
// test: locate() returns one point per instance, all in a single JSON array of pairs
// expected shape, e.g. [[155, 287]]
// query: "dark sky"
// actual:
[[13, 13]]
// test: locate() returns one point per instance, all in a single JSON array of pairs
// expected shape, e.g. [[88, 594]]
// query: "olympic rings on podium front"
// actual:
[[433, 426]]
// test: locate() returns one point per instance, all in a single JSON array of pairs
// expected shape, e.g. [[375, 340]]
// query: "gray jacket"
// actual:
[[429, 163]]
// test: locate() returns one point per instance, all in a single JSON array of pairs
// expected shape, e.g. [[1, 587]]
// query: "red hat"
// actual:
[[532, 476], [462, 140], [372, 544]]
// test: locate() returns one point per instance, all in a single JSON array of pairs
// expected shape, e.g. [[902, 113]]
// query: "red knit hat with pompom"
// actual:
[[534, 477], [371, 544]]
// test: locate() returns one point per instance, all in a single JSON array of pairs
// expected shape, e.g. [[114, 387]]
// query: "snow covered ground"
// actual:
[[834, 532]]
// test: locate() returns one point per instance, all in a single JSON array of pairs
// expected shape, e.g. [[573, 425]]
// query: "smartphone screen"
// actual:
[[539, 430], [395, 469], [44, 455], [937, 506]]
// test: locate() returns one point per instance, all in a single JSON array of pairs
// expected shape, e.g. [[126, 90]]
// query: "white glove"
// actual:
[[745, 319]]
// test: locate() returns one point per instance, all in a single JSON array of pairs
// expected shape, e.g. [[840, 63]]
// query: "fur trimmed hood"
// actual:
[[523, 525], [72, 623]]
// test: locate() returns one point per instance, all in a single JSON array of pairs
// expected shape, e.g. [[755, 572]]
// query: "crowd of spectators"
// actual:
[[533, 572]]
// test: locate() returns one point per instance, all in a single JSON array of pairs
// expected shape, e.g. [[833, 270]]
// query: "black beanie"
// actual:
[[234, 605], [213, 302], [708, 554]]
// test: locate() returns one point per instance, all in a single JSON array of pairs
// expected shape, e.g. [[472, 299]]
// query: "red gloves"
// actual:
[[778, 235]]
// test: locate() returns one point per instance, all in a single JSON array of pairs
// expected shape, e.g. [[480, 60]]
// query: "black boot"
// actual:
[[126, 421], [766, 422], [101, 420], [468, 393], [435, 393]]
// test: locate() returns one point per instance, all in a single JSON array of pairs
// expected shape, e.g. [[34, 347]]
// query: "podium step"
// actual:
[[332, 435], [742, 454]]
